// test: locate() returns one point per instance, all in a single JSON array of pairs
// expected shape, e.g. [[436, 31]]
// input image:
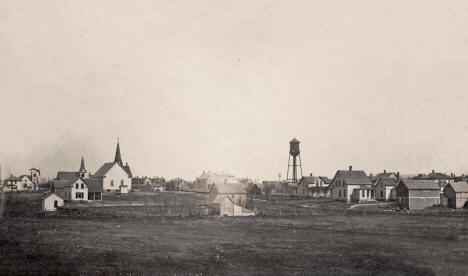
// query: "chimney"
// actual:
[[310, 174], [350, 168], [433, 171], [398, 176], [384, 171], [371, 175]]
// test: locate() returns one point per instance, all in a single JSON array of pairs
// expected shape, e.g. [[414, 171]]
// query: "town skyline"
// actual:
[[189, 87]]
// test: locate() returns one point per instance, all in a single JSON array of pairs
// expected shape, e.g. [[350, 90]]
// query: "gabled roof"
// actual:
[[102, 171], [459, 187], [94, 184], [387, 181], [229, 188], [47, 194], [62, 175], [308, 179], [17, 178], [385, 174], [352, 177], [413, 184], [60, 184], [325, 179]]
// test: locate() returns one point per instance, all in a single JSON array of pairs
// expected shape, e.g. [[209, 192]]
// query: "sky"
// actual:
[[194, 85]]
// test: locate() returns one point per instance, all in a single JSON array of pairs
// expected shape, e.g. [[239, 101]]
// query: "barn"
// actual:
[[229, 199], [51, 201], [456, 194], [417, 194]]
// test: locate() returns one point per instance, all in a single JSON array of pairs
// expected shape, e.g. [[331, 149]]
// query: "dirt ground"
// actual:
[[322, 243]]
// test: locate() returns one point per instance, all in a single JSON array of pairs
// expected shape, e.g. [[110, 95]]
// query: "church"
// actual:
[[115, 176]]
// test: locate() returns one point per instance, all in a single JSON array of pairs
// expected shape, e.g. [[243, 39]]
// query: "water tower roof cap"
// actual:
[[294, 140]]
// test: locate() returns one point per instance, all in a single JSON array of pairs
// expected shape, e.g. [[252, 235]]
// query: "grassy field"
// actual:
[[329, 241]]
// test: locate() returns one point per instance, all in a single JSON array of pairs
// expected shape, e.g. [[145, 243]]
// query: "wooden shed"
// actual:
[[51, 201], [456, 194], [417, 194]]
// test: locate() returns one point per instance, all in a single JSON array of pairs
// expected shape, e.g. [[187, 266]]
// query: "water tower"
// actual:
[[295, 153]]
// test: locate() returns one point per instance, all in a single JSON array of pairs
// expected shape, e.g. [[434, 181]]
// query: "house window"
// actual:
[[82, 186], [77, 186], [79, 195], [121, 182], [363, 193], [55, 203], [368, 193], [339, 193], [381, 194], [112, 183]]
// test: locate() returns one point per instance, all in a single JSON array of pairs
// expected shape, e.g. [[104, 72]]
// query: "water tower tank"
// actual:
[[294, 147]]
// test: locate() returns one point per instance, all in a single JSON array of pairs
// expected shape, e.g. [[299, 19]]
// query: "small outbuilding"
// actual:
[[230, 199], [456, 194], [417, 194], [51, 201]]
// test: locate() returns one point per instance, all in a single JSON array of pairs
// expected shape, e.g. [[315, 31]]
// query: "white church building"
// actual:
[[115, 176]]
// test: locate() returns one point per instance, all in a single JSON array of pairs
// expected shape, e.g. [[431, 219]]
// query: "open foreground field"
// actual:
[[334, 242]]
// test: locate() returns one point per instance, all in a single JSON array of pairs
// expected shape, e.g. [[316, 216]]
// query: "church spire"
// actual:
[[118, 158], [82, 166]]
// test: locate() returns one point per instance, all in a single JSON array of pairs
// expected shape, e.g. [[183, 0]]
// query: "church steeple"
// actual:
[[118, 158], [82, 166]]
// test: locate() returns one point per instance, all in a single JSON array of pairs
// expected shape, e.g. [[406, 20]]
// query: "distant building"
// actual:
[[114, 175], [207, 179], [230, 199], [346, 181], [51, 201], [456, 194], [271, 186], [417, 194], [439, 178], [139, 183], [313, 186], [18, 183]]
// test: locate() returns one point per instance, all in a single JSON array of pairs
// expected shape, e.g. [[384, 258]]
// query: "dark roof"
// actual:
[[60, 184], [414, 184], [229, 188], [387, 181], [434, 176], [308, 179], [101, 172], [49, 193], [62, 175], [94, 184], [353, 177], [17, 178], [325, 179], [294, 140], [385, 174], [459, 187], [127, 170]]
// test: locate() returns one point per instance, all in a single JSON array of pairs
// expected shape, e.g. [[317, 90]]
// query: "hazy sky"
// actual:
[[224, 85]]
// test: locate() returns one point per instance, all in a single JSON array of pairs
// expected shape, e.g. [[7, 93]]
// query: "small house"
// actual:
[[51, 201], [230, 199], [363, 193], [456, 194], [384, 188], [313, 186], [417, 194], [71, 190]]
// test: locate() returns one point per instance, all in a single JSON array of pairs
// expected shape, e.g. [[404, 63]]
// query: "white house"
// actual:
[[230, 199], [71, 190], [115, 176], [345, 183], [20, 183], [51, 201]]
